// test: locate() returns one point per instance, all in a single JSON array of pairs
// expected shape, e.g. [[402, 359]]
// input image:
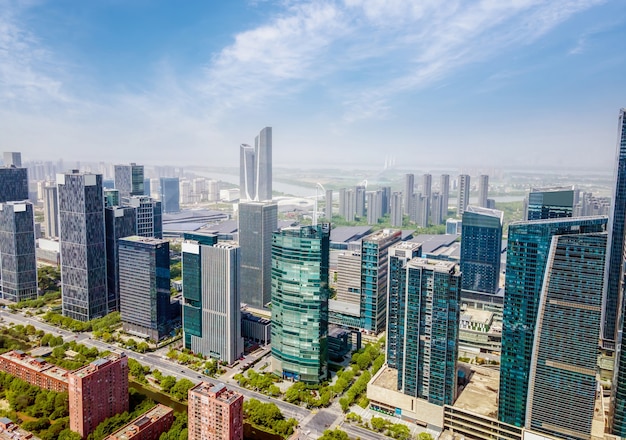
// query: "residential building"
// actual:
[[436, 208], [427, 184], [463, 195], [144, 286], [51, 211], [399, 255], [255, 171], [119, 222], [454, 226], [444, 190], [562, 382], [82, 245], [481, 249], [547, 203], [528, 250], [374, 272], [300, 303], [409, 187], [216, 296], [18, 261], [359, 201], [428, 319], [148, 426], [374, 206], [396, 210], [347, 204], [257, 222], [170, 194], [215, 413], [149, 216], [328, 209], [483, 190], [96, 392], [420, 210], [35, 371], [129, 180]]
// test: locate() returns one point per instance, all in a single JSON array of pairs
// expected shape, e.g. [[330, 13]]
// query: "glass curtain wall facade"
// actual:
[[547, 203], [13, 184], [527, 258], [119, 222], [129, 180], [170, 194], [300, 293]]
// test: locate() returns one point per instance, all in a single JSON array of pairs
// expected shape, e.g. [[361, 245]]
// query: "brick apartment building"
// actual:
[[215, 412], [148, 426], [35, 371]]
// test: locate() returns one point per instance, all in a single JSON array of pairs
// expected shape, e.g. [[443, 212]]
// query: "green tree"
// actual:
[[424, 436], [167, 383], [335, 434], [181, 389]]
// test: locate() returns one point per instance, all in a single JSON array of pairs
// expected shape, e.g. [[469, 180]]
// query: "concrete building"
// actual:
[[35, 371], [144, 286], [148, 426], [349, 277], [257, 222], [96, 392], [444, 191], [120, 221], [359, 201], [149, 216], [375, 200], [483, 190], [255, 171], [256, 329], [300, 303], [215, 412], [129, 180], [170, 194], [12, 159], [328, 210], [396, 210], [51, 211], [463, 194], [18, 261], [407, 195]]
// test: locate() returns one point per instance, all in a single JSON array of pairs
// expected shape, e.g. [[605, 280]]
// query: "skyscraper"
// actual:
[[13, 184], [12, 159], [435, 208], [51, 211], [374, 206], [215, 412], [255, 168], [527, 258], [428, 319], [144, 286], [82, 245], [149, 216], [257, 221], [216, 293], [18, 264], [374, 272], [129, 180], [119, 222], [562, 380], [399, 255], [481, 248], [300, 303], [483, 190], [96, 392], [396, 210], [444, 189], [464, 192], [427, 184], [409, 187], [328, 210], [170, 194], [546, 203], [359, 201]]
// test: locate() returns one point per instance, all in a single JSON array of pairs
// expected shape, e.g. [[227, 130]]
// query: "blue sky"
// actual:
[[477, 83]]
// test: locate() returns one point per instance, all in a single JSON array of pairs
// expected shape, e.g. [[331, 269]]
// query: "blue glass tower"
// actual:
[[562, 382], [527, 258], [481, 248], [170, 194]]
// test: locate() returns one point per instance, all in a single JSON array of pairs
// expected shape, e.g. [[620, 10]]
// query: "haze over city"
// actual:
[[343, 83]]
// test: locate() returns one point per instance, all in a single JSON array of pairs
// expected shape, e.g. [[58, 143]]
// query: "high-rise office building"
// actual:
[[349, 277], [428, 319], [328, 210], [546, 203], [528, 250], [13, 184], [147, 187], [255, 171], [257, 222], [396, 216], [374, 272], [399, 255], [82, 245], [300, 294], [483, 190], [562, 382], [444, 190], [12, 159], [129, 180], [215, 412], [18, 263], [170, 194], [215, 293], [96, 392], [409, 187], [463, 195], [481, 249], [111, 198], [149, 216], [119, 222], [359, 201], [51, 211], [144, 286]]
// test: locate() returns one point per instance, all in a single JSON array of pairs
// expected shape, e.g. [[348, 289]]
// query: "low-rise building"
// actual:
[[148, 426], [35, 371], [11, 431]]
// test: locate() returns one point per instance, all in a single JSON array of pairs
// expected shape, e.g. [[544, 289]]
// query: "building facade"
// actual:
[[214, 413], [149, 216], [35, 371], [328, 209], [51, 211], [483, 190], [96, 392], [82, 245], [547, 203], [170, 194], [444, 190], [300, 303], [396, 210], [255, 168], [119, 222], [18, 261], [463, 194], [148, 426], [144, 286], [257, 222], [527, 258], [481, 249], [129, 180], [13, 184]]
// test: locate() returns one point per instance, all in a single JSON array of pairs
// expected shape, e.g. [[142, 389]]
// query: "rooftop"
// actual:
[[431, 242], [485, 211], [346, 234], [147, 240], [383, 234], [134, 427], [96, 365], [480, 395], [35, 364], [435, 265], [216, 391]]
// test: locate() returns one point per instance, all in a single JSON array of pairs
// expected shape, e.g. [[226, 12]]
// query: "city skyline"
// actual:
[[351, 80]]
